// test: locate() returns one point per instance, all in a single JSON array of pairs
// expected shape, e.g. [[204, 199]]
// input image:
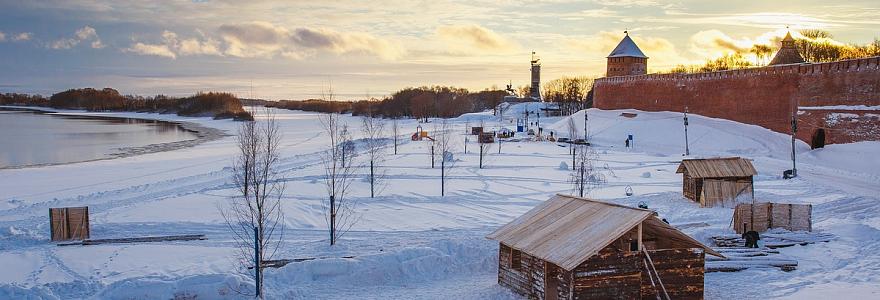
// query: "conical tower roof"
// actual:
[[788, 53], [627, 48]]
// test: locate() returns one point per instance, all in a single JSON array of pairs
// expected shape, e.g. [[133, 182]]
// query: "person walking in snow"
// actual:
[[751, 238]]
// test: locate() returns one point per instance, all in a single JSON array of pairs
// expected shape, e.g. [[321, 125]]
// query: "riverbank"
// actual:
[[201, 132]]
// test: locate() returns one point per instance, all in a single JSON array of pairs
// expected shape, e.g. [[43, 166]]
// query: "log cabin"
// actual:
[[576, 248]]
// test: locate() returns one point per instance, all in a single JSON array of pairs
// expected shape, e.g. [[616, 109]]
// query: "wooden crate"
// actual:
[[69, 223]]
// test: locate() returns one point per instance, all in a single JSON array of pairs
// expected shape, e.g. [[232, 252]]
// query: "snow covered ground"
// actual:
[[410, 242]]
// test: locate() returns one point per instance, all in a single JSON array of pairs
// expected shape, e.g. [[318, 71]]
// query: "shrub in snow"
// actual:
[[563, 166], [646, 175]]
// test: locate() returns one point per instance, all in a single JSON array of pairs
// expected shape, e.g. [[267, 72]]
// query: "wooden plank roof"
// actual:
[[567, 230], [717, 167]]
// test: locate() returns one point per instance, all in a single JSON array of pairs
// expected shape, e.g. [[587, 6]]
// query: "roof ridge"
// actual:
[[606, 203]]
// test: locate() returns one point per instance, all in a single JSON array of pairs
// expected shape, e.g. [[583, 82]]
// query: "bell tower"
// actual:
[[627, 59]]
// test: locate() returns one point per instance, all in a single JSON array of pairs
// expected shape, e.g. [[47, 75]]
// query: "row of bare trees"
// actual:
[[255, 216], [571, 94]]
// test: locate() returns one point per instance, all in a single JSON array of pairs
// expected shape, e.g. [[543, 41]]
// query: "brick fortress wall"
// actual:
[[764, 96]]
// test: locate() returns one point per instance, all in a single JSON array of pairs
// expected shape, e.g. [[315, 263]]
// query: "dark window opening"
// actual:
[[818, 140], [516, 260], [633, 246]]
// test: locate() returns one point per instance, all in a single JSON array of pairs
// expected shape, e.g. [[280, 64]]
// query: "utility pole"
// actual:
[[432, 155], [465, 144], [257, 264], [585, 127], [687, 149], [793, 154]]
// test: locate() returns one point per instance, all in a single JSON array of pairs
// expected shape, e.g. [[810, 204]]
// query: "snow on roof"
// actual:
[[627, 48], [717, 167]]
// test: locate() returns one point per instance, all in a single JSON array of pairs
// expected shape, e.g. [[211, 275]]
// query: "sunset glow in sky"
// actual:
[[293, 49]]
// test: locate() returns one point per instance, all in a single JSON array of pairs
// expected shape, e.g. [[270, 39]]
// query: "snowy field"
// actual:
[[410, 243]]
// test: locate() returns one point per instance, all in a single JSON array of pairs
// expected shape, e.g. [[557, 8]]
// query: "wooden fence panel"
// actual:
[[69, 223], [762, 216]]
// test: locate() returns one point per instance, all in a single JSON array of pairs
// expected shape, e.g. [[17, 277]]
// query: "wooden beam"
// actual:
[[641, 245], [168, 238]]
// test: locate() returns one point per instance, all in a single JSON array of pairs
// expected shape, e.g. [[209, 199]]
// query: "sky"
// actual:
[[298, 49]]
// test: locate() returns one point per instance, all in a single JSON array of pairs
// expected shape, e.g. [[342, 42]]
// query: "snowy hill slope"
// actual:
[[410, 242]]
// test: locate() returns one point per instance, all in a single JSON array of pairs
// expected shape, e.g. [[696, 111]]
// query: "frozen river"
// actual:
[[30, 138]]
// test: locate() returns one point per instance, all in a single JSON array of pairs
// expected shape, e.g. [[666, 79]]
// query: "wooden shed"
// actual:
[[577, 248], [763, 216], [717, 181], [476, 130], [69, 223]]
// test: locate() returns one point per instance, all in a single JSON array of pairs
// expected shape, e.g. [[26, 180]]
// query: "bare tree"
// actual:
[[374, 140], [572, 135], [445, 143], [484, 146], [584, 176], [254, 214], [339, 171]]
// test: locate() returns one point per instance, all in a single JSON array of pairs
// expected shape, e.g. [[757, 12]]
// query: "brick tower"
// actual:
[[627, 59]]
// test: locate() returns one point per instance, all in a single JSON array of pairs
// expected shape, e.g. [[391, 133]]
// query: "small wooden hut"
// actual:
[[69, 223], [717, 181], [763, 216], [487, 137], [577, 248]]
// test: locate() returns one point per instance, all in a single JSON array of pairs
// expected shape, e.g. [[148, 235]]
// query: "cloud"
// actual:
[[19, 37], [627, 3], [24, 36], [87, 33], [262, 39], [715, 43], [173, 46], [756, 20], [474, 38], [599, 13], [151, 49]]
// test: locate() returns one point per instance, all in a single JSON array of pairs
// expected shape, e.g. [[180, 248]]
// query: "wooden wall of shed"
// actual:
[[527, 279], [608, 275], [762, 216], [681, 271], [689, 186], [724, 192]]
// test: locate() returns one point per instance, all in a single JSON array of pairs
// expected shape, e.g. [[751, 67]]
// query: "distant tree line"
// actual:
[[217, 105], [23, 99], [571, 94], [421, 102], [818, 46], [815, 46], [733, 61]]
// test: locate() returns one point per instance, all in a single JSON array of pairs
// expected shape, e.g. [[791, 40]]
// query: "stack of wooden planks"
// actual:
[[739, 259], [775, 240]]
